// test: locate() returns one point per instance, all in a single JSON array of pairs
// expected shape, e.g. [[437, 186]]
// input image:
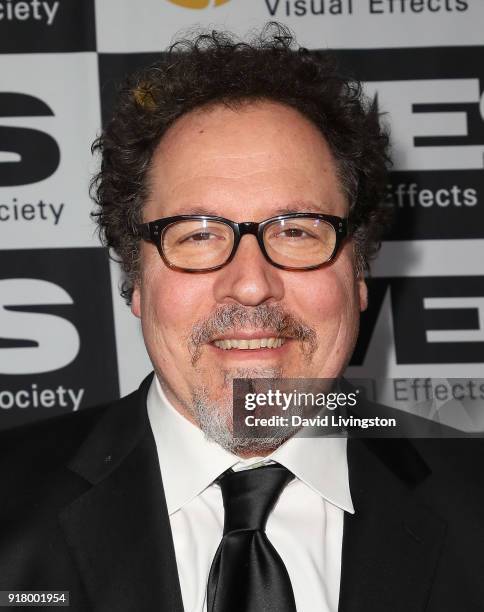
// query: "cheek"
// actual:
[[171, 303], [325, 297]]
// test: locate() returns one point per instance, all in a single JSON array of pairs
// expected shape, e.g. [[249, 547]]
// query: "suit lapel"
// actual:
[[120, 537], [392, 544], [119, 531]]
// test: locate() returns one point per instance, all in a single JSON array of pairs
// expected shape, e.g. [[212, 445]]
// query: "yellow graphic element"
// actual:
[[198, 4], [144, 97]]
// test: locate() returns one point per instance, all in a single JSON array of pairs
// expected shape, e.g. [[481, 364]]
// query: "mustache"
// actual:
[[270, 317]]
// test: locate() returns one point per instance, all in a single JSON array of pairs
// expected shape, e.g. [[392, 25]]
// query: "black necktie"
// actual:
[[247, 573]]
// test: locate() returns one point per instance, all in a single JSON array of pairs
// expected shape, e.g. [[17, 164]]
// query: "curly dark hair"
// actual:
[[216, 68]]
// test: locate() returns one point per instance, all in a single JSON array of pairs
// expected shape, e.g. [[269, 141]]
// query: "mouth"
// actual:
[[249, 344]]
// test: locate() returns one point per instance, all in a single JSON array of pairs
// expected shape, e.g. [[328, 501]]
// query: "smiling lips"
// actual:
[[249, 344]]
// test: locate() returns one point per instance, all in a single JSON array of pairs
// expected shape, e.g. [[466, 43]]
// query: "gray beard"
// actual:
[[215, 418]]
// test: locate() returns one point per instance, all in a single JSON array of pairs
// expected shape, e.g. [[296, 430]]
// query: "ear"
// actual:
[[136, 301], [362, 294]]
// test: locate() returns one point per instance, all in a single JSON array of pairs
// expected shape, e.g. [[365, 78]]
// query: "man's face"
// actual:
[[249, 164]]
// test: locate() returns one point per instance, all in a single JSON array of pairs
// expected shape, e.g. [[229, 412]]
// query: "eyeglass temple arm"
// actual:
[[342, 227], [144, 231]]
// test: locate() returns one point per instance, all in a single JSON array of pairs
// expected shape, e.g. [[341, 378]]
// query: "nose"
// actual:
[[249, 279]]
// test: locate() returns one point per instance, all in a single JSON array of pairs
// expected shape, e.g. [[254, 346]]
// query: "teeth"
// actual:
[[250, 344]]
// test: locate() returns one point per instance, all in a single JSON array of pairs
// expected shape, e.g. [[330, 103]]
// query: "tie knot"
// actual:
[[249, 496]]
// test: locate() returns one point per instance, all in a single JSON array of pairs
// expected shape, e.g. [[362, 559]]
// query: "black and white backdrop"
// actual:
[[67, 340]]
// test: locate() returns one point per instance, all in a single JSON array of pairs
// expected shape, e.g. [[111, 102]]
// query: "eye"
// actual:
[[293, 232], [198, 237]]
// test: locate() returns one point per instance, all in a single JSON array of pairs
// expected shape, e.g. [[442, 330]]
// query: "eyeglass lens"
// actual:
[[291, 242]]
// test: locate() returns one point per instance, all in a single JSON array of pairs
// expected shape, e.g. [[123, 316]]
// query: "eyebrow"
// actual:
[[294, 207], [196, 210]]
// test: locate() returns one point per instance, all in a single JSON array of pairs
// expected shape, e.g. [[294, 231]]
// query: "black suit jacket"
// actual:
[[82, 509]]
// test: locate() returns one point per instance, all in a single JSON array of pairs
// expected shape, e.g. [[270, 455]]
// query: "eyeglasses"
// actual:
[[203, 243]]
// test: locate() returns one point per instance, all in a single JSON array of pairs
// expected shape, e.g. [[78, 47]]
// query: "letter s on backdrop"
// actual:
[[56, 340]]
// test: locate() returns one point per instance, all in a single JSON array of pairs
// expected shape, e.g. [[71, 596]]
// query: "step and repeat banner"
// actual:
[[68, 341]]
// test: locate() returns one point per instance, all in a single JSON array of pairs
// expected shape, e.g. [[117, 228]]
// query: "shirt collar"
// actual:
[[190, 462]]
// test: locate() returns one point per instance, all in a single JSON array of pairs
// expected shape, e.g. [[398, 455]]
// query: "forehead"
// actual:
[[260, 154]]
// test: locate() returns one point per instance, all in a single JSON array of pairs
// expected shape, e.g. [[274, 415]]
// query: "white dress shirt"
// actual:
[[305, 526]]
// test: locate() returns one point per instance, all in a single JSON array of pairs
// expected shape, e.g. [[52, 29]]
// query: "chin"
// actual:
[[215, 419]]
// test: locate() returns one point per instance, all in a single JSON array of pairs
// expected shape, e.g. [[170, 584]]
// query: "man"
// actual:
[[241, 187]]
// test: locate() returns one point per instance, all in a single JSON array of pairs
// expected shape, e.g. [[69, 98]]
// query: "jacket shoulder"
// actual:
[[36, 455], [49, 439]]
